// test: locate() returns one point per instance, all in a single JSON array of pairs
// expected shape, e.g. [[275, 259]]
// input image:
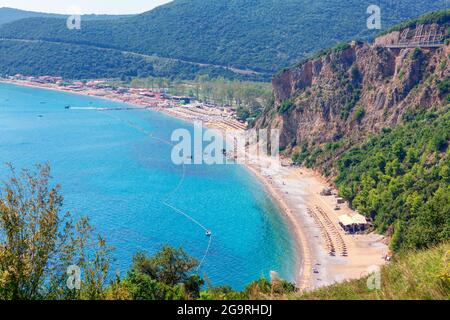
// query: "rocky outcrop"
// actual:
[[355, 90]]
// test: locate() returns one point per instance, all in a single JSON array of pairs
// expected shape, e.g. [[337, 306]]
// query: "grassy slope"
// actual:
[[414, 275]]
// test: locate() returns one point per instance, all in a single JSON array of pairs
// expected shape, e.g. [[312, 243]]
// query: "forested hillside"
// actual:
[[261, 35], [38, 58], [376, 120], [401, 179], [10, 14]]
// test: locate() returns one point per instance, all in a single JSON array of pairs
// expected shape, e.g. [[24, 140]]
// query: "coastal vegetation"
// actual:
[[441, 17], [399, 178], [249, 98], [39, 242], [46, 255], [220, 91], [415, 275]]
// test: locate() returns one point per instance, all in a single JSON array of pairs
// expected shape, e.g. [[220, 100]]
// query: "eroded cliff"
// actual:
[[345, 94]]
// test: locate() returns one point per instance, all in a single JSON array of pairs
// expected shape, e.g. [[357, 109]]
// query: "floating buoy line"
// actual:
[[165, 202]]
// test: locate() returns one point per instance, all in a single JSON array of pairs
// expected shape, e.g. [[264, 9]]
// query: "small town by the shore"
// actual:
[[184, 107]]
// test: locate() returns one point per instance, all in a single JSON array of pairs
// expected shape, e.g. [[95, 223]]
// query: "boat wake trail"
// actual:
[[102, 108], [166, 202]]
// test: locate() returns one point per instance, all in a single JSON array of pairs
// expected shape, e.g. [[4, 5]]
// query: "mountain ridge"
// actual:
[[259, 35], [8, 15]]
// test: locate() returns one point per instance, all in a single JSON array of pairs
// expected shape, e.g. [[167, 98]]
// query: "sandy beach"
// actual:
[[310, 216], [314, 222]]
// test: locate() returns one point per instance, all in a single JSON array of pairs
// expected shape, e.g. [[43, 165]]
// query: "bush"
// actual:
[[359, 114], [417, 54], [286, 106], [164, 276], [38, 242], [444, 86]]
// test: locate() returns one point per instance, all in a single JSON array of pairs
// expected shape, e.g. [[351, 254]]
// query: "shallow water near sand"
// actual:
[[113, 169]]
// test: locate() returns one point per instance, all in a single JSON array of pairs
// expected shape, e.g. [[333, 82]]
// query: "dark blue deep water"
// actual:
[[111, 170]]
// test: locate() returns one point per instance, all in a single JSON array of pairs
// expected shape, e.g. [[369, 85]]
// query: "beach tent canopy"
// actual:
[[359, 219], [346, 220]]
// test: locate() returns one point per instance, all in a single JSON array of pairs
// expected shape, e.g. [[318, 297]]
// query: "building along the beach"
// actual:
[[353, 224]]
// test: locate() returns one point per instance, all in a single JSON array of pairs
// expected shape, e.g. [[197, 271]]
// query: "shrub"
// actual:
[[286, 106], [359, 114], [417, 54]]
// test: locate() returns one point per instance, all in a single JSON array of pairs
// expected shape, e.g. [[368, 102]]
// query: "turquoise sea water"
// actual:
[[113, 172]]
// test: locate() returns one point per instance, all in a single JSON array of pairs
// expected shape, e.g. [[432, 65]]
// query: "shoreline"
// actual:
[[312, 218], [303, 257], [295, 192], [215, 121]]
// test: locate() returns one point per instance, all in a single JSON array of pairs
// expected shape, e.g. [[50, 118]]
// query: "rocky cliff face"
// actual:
[[355, 90]]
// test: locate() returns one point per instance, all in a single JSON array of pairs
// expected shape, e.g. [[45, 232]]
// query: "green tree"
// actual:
[[166, 275], [170, 266], [38, 242], [400, 179]]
